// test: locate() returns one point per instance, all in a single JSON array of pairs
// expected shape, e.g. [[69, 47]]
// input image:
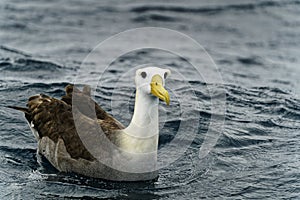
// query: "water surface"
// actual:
[[255, 45]]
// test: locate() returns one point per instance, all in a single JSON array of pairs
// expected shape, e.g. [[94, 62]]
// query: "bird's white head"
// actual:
[[151, 81]]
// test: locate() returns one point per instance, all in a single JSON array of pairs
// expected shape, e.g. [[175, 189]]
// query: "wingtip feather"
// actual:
[[25, 110]]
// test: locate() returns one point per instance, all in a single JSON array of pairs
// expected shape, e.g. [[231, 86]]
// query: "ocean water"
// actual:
[[253, 44]]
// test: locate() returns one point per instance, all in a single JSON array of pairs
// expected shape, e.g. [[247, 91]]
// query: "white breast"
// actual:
[[132, 144]]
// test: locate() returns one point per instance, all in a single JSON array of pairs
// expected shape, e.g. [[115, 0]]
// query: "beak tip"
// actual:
[[159, 91], [168, 102]]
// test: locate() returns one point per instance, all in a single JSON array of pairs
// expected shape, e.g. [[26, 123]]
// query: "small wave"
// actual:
[[155, 17], [270, 123], [52, 89], [15, 26], [250, 60], [56, 89], [197, 82], [248, 76], [209, 9], [228, 140], [16, 51], [283, 82], [45, 85], [255, 95], [269, 107], [32, 64], [293, 104], [18, 151], [28, 65], [19, 156]]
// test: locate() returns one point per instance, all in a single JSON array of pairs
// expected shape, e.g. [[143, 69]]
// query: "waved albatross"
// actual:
[[131, 154]]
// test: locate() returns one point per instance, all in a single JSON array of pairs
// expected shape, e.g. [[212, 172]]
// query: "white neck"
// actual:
[[142, 133], [145, 116]]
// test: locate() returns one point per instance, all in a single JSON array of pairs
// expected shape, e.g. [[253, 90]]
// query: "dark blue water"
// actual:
[[255, 45]]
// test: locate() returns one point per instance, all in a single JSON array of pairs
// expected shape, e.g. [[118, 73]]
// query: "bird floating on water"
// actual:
[[134, 156]]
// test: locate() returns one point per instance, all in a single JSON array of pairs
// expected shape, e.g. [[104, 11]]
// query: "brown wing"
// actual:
[[53, 118], [89, 107]]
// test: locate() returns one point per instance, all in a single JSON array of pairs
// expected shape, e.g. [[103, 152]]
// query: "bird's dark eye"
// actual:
[[144, 74], [165, 75]]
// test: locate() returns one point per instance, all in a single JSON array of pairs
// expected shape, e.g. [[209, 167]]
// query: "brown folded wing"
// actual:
[[53, 118]]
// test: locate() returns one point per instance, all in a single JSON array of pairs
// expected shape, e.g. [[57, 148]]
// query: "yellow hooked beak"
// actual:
[[158, 90]]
